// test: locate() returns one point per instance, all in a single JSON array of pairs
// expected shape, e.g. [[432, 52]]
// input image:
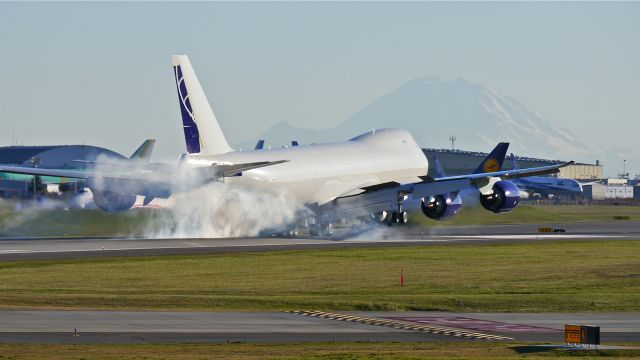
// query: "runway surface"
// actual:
[[17, 249], [138, 327]]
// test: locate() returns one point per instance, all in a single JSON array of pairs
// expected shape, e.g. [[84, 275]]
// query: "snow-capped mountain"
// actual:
[[434, 108]]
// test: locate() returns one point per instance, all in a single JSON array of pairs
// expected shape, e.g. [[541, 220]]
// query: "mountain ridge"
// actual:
[[433, 108]]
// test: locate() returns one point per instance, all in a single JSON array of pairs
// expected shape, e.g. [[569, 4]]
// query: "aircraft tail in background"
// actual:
[[143, 152], [202, 131], [493, 161]]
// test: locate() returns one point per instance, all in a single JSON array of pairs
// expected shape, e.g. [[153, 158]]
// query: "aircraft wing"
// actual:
[[385, 196], [510, 174], [28, 170], [151, 180], [216, 170]]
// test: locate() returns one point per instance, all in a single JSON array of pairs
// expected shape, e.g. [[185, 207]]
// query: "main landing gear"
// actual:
[[391, 217], [321, 229]]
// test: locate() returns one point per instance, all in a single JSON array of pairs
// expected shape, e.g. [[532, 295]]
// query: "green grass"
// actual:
[[545, 276], [336, 351], [528, 214], [82, 223]]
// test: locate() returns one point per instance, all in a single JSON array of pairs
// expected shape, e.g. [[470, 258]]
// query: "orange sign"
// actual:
[[572, 334], [491, 165]]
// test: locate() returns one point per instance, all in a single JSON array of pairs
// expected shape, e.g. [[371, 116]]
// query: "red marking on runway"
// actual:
[[476, 324]]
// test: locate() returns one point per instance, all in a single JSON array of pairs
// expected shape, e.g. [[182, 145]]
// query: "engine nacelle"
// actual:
[[111, 201], [441, 207], [505, 197]]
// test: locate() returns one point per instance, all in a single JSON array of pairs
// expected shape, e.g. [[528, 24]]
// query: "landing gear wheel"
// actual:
[[328, 229], [293, 232], [321, 229], [403, 217], [386, 218]]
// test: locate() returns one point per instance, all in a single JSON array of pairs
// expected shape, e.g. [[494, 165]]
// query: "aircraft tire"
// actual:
[[403, 217]]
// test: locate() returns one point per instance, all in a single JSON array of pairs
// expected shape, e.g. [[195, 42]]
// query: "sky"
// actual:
[[100, 73]]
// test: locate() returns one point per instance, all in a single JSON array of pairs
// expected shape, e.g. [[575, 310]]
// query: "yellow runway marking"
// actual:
[[402, 325]]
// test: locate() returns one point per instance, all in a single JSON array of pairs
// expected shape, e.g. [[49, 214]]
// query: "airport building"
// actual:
[[611, 189], [57, 157], [581, 171], [458, 162]]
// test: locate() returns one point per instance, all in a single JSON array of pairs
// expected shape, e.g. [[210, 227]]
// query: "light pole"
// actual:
[[453, 139]]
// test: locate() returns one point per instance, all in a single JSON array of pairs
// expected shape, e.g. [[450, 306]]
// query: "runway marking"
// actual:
[[397, 324], [475, 324]]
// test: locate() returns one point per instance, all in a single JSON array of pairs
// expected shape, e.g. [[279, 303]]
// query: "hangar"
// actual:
[[56, 156], [459, 162]]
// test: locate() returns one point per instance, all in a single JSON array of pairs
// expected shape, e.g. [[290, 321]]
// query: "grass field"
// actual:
[[545, 276], [74, 223], [527, 214], [336, 351]]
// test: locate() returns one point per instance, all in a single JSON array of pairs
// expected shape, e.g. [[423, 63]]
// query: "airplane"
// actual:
[[369, 174], [93, 172], [544, 185]]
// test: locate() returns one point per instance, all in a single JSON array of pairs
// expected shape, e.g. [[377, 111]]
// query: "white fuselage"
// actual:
[[320, 173]]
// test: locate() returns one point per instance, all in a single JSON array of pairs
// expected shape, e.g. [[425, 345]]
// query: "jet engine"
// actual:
[[111, 201], [505, 197], [441, 207]]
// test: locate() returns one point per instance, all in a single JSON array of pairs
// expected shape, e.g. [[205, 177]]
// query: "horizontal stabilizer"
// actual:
[[226, 170]]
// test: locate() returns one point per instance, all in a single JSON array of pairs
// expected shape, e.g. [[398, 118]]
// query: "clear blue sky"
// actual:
[[100, 72]]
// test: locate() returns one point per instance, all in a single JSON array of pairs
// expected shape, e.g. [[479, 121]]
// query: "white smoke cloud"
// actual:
[[203, 207], [225, 210], [14, 214]]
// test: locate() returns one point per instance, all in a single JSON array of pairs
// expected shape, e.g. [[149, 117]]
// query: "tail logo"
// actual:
[[191, 133], [491, 165]]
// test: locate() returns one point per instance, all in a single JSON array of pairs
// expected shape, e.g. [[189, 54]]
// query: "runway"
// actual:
[[19, 249], [280, 327]]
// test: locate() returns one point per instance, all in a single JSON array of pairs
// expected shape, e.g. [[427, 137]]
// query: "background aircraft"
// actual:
[[545, 185]]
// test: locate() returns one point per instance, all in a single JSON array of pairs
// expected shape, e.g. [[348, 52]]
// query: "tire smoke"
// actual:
[[225, 210]]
